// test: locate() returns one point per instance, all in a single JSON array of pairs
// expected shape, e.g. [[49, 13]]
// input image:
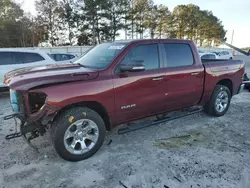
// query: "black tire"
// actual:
[[210, 106], [61, 124]]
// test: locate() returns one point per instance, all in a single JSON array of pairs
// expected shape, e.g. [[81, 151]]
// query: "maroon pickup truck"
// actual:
[[115, 83]]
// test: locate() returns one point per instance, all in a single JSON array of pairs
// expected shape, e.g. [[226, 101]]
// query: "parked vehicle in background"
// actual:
[[115, 83], [209, 56], [63, 57], [224, 55], [11, 59]]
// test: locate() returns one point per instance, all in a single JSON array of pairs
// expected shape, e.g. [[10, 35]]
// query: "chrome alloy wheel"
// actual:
[[221, 101], [81, 136]]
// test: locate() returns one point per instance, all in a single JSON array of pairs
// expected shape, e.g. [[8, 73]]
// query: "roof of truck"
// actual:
[[139, 40]]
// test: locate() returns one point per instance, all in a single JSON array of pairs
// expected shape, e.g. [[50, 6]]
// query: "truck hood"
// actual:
[[30, 77]]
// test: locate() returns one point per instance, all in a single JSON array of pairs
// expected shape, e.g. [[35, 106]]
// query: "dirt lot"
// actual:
[[196, 151]]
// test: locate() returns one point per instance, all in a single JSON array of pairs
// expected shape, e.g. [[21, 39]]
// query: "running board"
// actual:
[[155, 122]]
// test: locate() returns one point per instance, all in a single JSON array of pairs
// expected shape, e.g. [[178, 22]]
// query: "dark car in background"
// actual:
[[63, 57]]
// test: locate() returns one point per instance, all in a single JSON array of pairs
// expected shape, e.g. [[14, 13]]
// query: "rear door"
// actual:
[[138, 94], [184, 76]]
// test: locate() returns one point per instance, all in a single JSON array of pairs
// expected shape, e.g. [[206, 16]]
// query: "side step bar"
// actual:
[[155, 122]]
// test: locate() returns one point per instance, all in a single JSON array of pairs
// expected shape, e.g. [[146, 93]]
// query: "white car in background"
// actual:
[[224, 55], [11, 59], [63, 57]]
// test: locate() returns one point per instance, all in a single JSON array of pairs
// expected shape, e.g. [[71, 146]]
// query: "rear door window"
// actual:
[[178, 55], [5, 58]]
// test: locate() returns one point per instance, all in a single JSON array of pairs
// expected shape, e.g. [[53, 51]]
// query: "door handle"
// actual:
[[195, 73], [157, 78]]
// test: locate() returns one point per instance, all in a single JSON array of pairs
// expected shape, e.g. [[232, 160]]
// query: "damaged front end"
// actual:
[[33, 112]]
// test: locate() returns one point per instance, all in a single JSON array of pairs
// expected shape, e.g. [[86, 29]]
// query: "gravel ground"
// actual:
[[196, 151]]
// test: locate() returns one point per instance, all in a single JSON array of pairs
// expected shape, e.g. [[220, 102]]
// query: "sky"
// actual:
[[234, 14]]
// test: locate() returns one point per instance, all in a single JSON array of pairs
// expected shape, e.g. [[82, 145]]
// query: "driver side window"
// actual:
[[147, 54]]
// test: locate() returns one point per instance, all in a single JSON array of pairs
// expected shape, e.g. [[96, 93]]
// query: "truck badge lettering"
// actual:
[[128, 106]]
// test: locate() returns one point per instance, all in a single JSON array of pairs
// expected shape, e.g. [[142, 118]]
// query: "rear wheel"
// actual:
[[220, 101], [78, 133]]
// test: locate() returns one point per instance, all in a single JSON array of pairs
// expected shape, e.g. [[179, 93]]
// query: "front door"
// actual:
[[138, 94]]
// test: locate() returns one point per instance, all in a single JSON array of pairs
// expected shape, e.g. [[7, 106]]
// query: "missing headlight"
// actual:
[[36, 101]]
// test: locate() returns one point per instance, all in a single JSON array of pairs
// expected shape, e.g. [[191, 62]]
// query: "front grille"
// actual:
[[36, 101]]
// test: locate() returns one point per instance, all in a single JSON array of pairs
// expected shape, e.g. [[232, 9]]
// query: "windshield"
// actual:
[[101, 56]]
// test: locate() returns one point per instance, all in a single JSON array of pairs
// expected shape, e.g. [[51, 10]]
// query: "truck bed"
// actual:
[[217, 70], [222, 65]]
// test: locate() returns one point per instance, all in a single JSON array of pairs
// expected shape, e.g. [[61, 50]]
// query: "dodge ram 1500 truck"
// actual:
[[115, 83]]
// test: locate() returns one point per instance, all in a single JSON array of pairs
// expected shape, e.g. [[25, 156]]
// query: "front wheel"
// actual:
[[77, 133], [220, 101]]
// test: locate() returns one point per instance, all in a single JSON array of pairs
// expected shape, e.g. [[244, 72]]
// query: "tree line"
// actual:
[[89, 22]]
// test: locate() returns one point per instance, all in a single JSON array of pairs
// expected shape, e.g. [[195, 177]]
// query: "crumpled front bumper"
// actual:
[[22, 110], [43, 116]]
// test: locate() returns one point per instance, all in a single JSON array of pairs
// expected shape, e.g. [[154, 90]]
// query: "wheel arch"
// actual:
[[96, 106], [228, 83]]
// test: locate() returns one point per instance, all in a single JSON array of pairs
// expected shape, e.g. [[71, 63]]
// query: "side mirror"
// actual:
[[133, 66]]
